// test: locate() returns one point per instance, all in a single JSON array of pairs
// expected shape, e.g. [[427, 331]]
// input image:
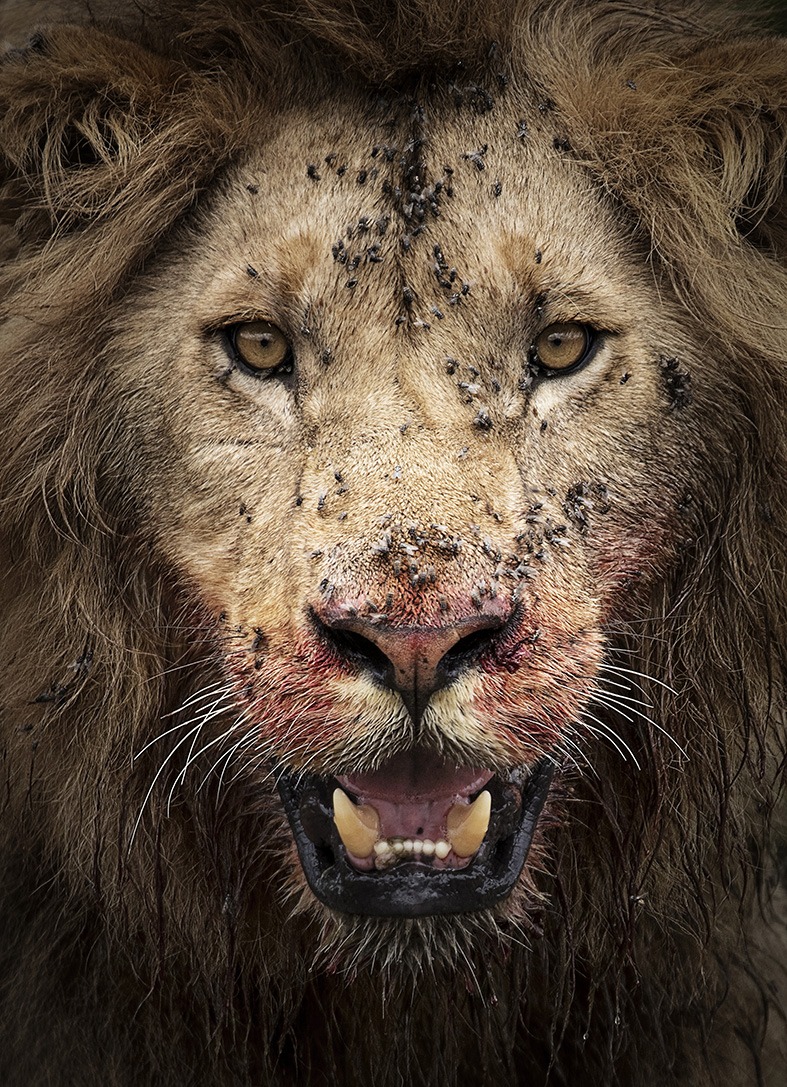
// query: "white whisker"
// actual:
[[603, 730], [158, 774], [642, 675], [212, 712]]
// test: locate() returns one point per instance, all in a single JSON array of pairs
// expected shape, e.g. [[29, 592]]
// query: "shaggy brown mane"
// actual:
[[656, 933]]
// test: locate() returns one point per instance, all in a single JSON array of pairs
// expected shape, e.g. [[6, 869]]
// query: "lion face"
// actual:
[[395, 435]]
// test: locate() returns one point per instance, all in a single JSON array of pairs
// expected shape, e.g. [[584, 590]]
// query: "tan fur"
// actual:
[[167, 522]]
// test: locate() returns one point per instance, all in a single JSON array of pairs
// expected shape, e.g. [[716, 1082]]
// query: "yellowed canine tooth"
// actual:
[[468, 823], [358, 825]]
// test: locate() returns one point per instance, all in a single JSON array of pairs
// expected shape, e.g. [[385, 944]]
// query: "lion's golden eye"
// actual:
[[562, 347], [262, 347]]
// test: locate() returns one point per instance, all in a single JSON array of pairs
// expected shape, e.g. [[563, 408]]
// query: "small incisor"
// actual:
[[468, 823], [358, 825]]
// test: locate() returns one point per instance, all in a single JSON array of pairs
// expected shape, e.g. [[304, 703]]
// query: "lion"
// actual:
[[393, 508]]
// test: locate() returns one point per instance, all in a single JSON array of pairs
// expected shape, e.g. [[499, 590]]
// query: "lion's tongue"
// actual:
[[413, 794]]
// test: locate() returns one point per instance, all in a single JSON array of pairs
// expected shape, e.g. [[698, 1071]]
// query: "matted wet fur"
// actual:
[[412, 191]]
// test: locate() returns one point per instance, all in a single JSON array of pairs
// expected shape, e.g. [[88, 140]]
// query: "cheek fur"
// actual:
[[288, 699], [539, 692], [308, 707], [626, 563]]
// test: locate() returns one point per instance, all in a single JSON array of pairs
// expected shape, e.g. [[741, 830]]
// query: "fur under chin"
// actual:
[[459, 1016], [454, 949]]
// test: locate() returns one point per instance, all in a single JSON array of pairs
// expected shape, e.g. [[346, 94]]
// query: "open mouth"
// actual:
[[415, 837]]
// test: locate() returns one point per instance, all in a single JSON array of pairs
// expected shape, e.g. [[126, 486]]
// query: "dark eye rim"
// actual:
[[285, 368], [595, 337]]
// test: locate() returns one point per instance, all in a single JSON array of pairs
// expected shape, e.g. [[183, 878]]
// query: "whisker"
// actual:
[[202, 695], [624, 712], [642, 675], [181, 724], [604, 731], [195, 664], [158, 774], [155, 740], [235, 724], [214, 711], [620, 687]]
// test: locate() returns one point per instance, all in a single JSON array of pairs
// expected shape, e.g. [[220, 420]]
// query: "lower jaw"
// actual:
[[414, 888]]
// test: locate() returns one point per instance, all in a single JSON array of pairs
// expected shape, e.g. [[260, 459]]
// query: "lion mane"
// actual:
[[156, 924]]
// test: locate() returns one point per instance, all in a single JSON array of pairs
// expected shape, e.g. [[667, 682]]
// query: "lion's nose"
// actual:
[[415, 661]]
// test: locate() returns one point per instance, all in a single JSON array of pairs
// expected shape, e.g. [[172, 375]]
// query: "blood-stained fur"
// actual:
[[411, 544]]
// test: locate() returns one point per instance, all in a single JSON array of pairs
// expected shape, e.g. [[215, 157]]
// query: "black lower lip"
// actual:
[[414, 889]]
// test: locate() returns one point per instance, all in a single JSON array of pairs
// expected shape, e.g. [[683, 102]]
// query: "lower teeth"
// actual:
[[390, 851]]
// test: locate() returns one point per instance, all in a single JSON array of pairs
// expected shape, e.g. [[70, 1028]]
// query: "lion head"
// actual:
[[393, 510]]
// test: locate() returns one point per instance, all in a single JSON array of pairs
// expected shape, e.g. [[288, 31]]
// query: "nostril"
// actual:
[[473, 644], [351, 645], [470, 647]]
